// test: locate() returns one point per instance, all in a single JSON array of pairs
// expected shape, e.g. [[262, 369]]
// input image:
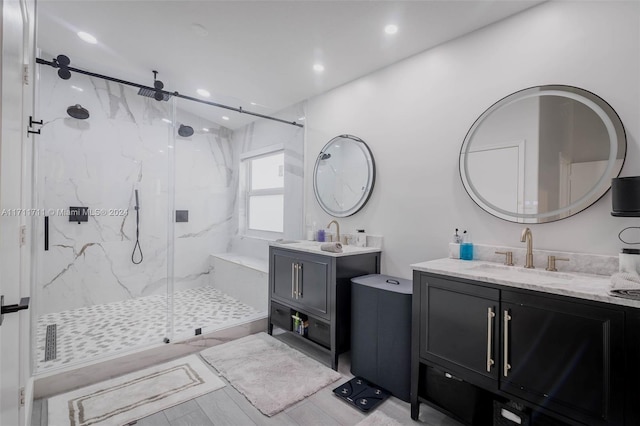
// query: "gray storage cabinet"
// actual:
[[381, 332]]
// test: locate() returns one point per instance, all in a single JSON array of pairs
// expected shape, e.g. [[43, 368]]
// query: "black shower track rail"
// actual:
[[176, 94]]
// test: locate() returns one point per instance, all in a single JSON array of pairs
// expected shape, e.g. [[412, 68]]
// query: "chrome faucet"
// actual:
[[337, 229], [528, 237]]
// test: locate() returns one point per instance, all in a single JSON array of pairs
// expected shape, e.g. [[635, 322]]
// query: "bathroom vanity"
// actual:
[[316, 285], [554, 342]]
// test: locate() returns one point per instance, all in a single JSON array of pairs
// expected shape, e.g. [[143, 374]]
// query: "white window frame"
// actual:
[[246, 193]]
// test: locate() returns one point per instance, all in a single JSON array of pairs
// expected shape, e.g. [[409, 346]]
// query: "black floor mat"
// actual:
[[362, 394]]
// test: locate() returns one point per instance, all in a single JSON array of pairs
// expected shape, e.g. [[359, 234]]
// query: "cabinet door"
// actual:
[[283, 276], [301, 280], [564, 356], [459, 329], [313, 286]]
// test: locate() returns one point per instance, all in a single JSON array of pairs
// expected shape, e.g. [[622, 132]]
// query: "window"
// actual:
[[264, 193]]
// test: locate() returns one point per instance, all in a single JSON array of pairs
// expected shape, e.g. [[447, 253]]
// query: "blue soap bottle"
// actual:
[[466, 248]]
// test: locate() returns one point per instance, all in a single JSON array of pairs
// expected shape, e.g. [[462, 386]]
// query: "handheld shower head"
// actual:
[[137, 247]]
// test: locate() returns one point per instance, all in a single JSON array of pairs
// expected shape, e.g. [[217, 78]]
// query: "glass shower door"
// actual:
[[103, 151], [205, 194]]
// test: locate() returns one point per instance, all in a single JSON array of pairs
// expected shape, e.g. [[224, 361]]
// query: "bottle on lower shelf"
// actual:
[[300, 324]]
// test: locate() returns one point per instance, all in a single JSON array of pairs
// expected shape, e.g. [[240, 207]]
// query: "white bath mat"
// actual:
[[272, 375], [133, 396]]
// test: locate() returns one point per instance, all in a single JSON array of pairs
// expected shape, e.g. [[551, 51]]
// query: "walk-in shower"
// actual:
[[127, 165]]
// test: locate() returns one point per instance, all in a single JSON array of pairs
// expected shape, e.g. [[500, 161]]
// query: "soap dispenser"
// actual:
[[361, 238], [466, 248]]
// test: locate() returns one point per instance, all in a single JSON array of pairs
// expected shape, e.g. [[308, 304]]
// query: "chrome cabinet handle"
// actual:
[[293, 279], [296, 281], [506, 366], [490, 315], [300, 280]]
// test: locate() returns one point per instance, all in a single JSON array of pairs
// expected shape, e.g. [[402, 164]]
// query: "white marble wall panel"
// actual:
[[98, 163]]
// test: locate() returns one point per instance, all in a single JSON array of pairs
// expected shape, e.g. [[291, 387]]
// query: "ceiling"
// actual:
[[259, 52]]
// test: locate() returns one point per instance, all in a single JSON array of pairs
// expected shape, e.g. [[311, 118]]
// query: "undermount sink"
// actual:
[[538, 274]]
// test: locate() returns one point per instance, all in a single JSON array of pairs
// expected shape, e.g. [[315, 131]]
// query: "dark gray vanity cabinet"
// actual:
[[563, 358], [318, 288]]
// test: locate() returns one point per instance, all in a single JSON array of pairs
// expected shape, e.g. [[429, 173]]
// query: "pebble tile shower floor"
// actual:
[[100, 330]]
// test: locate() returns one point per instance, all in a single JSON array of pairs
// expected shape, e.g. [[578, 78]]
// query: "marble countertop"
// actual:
[[314, 247], [572, 284]]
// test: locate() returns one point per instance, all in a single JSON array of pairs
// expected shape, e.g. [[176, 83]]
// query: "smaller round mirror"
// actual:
[[344, 175]]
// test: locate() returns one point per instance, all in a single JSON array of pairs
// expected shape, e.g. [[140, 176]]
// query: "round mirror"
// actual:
[[344, 175], [542, 154]]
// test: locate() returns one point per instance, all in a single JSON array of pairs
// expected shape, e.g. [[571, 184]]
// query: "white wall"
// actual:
[[414, 116]]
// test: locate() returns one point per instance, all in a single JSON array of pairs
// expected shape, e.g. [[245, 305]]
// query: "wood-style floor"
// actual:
[[227, 406]]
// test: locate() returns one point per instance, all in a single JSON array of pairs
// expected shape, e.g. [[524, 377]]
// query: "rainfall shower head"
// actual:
[[77, 111], [151, 93], [185, 131], [155, 93]]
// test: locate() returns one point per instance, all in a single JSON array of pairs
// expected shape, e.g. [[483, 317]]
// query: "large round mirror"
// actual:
[[542, 154], [344, 175]]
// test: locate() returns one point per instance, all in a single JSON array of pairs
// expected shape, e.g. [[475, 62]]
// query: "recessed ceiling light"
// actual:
[[318, 67], [301, 119], [224, 117], [254, 104], [87, 37], [203, 92], [391, 29]]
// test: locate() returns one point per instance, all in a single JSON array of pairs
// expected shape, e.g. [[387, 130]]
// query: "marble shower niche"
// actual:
[[129, 142]]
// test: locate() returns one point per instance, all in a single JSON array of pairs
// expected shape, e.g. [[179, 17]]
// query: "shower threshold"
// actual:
[[63, 380]]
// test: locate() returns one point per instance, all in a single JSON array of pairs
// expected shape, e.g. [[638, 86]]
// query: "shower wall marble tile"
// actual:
[[98, 163]]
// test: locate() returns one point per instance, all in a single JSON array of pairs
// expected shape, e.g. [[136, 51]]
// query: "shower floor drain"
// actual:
[[50, 342]]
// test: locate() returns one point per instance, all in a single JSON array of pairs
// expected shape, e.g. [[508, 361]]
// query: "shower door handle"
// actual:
[[46, 233], [9, 309]]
